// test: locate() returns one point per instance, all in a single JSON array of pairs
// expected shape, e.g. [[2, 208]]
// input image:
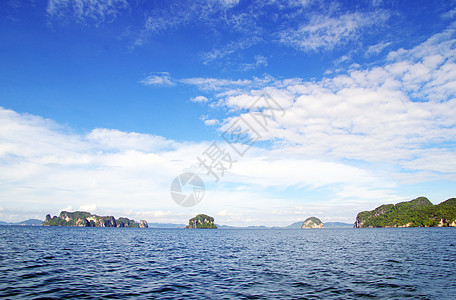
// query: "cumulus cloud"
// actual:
[[399, 114], [45, 166], [42, 162]]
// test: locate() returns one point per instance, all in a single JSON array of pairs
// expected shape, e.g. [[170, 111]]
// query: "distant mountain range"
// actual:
[[29, 222], [246, 227], [338, 225], [166, 225]]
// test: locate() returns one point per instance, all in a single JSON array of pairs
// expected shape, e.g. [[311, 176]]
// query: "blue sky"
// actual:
[[103, 103]]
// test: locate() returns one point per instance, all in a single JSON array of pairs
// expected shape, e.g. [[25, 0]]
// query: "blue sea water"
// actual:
[[122, 263]]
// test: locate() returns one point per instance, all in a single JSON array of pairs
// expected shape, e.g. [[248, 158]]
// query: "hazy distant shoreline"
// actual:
[[296, 225]]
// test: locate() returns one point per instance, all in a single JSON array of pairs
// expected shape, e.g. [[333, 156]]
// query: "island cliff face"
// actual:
[[201, 221], [86, 219], [419, 212], [312, 222]]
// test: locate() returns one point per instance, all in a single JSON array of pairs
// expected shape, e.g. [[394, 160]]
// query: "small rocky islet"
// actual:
[[312, 223], [201, 221]]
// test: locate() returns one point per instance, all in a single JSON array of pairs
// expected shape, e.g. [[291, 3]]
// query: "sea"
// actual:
[[127, 263]]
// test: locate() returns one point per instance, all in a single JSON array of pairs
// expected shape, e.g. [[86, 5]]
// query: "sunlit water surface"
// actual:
[[121, 263]]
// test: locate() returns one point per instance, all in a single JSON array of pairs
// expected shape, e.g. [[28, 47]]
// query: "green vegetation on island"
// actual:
[[312, 222], [201, 221], [419, 212], [86, 219]]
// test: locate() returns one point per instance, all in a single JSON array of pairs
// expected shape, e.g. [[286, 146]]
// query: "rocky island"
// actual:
[[419, 212], [311, 223], [201, 221], [86, 219]]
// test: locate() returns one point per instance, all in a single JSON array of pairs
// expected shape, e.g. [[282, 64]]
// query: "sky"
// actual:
[[284, 109]]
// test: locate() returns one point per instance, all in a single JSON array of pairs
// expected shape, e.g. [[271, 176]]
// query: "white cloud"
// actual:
[[223, 213], [449, 14], [208, 84], [377, 48], [174, 14], [88, 207], [223, 87], [204, 84], [260, 60], [229, 49], [68, 208], [390, 113], [86, 11], [303, 3], [398, 114], [322, 27], [326, 32], [162, 78], [434, 160], [229, 3], [281, 170], [316, 26], [44, 166], [211, 122], [199, 99], [119, 140]]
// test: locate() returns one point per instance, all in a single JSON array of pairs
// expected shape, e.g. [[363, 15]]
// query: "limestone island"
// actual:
[[419, 212], [201, 221], [311, 223], [86, 219]]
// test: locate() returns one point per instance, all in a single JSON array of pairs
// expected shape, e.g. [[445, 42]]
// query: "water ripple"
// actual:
[[127, 263]]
